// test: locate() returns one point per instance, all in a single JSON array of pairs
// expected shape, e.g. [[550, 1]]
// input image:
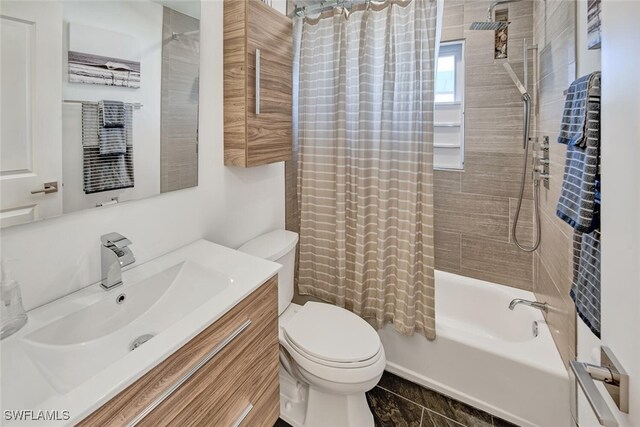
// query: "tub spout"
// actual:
[[543, 306]]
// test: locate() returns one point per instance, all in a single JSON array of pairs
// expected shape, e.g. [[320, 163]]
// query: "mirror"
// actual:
[[98, 106]]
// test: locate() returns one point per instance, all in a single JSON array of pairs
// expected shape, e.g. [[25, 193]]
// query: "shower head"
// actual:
[[515, 78], [490, 24]]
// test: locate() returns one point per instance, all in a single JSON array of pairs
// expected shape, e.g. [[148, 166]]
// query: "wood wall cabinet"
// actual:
[[238, 386], [257, 105]]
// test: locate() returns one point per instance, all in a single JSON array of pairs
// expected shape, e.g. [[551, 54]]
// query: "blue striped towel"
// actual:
[[111, 114], [578, 203], [585, 289], [574, 117], [111, 132]]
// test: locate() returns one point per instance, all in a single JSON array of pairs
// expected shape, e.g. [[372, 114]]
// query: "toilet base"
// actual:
[[305, 406]]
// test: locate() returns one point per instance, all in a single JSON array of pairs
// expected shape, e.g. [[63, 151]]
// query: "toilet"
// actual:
[[329, 357]]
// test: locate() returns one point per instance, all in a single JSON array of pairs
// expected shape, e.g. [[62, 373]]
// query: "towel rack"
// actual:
[[135, 105]]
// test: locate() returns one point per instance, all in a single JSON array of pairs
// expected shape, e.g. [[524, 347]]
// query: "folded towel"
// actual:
[[585, 289], [111, 114], [111, 133], [91, 124], [112, 141], [574, 117], [578, 203]]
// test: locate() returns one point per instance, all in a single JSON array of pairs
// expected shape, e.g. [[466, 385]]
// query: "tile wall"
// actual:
[[554, 28], [474, 208]]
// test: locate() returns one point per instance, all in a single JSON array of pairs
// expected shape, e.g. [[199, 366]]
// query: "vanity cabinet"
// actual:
[[225, 376], [258, 91]]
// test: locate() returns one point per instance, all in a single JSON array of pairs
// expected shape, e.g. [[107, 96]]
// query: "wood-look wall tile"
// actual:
[[549, 197], [481, 75], [525, 229], [473, 215], [488, 96], [555, 56], [495, 175], [453, 20], [479, 46], [474, 204], [447, 251], [556, 250], [488, 141], [561, 317], [561, 15], [497, 262], [495, 117], [554, 29], [447, 181]]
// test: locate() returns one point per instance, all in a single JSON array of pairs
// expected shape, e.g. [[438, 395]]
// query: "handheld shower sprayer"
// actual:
[[514, 77], [526, 99]]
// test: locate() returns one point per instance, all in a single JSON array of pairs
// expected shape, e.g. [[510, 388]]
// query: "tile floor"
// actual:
[[396, 402]]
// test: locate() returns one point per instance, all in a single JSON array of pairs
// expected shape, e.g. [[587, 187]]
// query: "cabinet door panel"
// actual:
[[269, 134]]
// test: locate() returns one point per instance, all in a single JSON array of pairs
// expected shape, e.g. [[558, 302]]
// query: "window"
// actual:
[[448, 126]]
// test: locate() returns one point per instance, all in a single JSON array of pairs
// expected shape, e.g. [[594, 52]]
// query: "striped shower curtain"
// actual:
[[365, 162]]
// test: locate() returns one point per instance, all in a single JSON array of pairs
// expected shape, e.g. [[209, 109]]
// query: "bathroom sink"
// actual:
[[107, 330], [79, 351], [154, 303]]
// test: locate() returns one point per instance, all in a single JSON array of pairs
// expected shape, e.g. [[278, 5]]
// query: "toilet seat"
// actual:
[[332, 336], [332, 364], [332, 343]]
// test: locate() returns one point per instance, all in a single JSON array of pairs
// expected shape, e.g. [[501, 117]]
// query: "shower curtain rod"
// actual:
[[327, 5]]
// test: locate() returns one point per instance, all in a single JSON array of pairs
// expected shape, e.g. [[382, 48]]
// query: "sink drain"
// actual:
[[139, 341]]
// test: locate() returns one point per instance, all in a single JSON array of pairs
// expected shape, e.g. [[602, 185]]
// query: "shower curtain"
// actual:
[[365, 162]]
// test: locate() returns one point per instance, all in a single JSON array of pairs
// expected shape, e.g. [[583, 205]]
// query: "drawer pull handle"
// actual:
[[242, 416], [168, 392], [257, 82]]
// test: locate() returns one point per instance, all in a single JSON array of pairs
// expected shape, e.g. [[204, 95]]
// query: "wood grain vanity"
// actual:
[[225, 376], [258, 61]]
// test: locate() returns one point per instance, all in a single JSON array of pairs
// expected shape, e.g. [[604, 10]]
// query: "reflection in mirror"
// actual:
[[124, 78]]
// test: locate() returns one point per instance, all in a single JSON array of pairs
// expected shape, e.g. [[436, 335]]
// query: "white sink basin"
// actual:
[[70, 350], [77, 352]]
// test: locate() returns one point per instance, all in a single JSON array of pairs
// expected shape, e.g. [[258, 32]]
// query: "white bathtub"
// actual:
[[486, 355]]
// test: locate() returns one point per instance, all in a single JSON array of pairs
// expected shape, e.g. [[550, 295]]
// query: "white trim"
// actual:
[[457, 48]]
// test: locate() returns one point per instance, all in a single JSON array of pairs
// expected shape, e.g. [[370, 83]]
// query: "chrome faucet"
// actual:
[[115, 254], [539, 305]]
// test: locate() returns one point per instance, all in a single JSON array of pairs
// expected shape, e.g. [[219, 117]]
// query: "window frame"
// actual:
[[457, 48]]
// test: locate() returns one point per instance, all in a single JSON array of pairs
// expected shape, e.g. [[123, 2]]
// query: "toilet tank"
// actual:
[[277, 246]]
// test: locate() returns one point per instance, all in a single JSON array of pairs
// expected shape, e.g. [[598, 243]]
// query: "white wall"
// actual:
[[587, 60], [143, 21], [230, 205], [620, 150]]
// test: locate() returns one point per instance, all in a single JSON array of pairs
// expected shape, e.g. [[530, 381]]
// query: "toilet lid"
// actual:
[[333, 334]]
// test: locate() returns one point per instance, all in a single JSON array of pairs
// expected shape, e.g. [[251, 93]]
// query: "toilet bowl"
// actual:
[[329, 356]]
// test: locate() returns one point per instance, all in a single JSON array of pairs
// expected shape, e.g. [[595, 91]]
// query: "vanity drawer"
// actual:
[[226, 373]]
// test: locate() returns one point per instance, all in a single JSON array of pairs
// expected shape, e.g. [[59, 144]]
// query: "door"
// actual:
[[30, 111], [620, 153]]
